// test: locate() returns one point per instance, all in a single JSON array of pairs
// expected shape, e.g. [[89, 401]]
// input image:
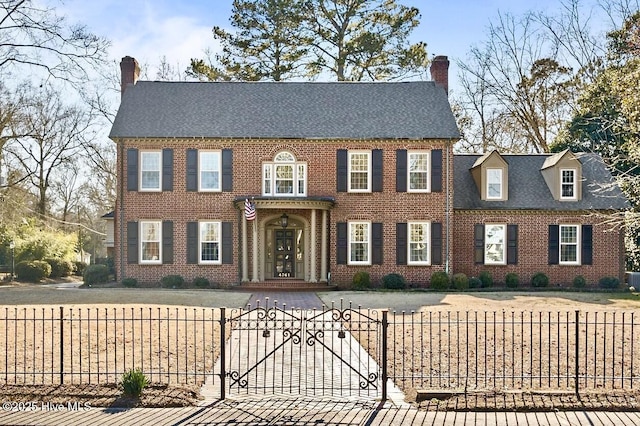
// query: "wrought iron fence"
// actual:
[[432, 349], [54, 345], [514, 350]]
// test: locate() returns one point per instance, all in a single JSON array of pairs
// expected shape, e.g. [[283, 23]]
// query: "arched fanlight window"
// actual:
[[284, 176]]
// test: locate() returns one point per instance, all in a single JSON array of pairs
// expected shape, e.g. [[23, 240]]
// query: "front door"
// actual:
[[285, 252]]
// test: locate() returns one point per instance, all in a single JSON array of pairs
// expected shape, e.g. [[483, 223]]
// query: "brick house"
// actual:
[[342, 177]]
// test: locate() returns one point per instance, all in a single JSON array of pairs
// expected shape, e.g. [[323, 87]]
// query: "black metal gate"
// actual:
[[328, 352]]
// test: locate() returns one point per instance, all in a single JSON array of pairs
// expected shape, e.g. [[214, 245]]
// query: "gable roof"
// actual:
[[529, 191], [301, 110]]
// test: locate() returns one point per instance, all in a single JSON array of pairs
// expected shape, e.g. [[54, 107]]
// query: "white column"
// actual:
[[254, 272], [323, 248], [245, 251], [312, 273]]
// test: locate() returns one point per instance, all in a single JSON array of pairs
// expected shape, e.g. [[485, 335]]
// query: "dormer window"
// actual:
[[494, 184], [284, 176], [567, 184]]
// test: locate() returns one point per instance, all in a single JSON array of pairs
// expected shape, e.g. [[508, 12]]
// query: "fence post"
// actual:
[[385, 326], [223, 362], [577, 355], [61, 344]]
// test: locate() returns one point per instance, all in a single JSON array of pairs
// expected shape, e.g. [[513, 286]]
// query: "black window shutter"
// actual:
[[192, 169], [341, 170], [132, 242], [132, 169], [401, 243], [192, 243], [376, 165], [586, 257], [227, 243], [341, 243], [554, 244], [512, 244], [167, 169], [436, 170], [376, 243], [167, 242], [436, 243], [478, 243], [227, 171], [401, 170]]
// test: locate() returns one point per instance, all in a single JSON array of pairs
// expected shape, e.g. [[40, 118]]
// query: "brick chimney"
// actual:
[[440, 72], [130, 71]]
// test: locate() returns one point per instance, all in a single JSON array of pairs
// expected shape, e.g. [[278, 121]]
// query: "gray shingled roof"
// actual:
[[414, 110], [529, 191]]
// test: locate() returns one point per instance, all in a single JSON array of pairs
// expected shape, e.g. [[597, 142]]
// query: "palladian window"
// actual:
[[284, 176]]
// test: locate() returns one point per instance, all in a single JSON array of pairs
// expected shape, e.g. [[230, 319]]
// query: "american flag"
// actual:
[[249, 210]]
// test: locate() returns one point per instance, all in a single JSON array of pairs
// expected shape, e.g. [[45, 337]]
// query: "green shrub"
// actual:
[[79, 267], [474, 282], [361, 281], [130, 282], [511, 280], [394, 281], [32, 271], [486, 279], [172, 281], [96, 274], [439, 281], [60, 267], [579, 282], [201, 282], [460, 281], [609, 282], [133, 382], [540, 279]]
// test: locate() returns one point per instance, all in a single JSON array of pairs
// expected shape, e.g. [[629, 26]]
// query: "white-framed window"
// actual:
[[418, 171], [419, 238], [209, 243], [150, 170], [494, 184], [150, 242], [359, 171], [568, 184], [209, 170], [495, 236], [569, 243], [359, 245], [284, 176]]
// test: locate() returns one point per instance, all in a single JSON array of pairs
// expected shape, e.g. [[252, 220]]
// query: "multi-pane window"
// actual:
[[209, 242], [494, 184], [419, 243], [568, 183], [284, 176], [284, 179], [150, 238], [494, 244], [569, 239], [418, 171], [209, 166], [150, 170], [359, 243], [359, 171]]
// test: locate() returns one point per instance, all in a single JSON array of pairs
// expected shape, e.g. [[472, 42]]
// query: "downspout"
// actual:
[[121, 210], [447, 208]]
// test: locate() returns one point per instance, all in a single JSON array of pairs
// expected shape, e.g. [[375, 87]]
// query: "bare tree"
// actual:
[[51, 139], [35, 36]]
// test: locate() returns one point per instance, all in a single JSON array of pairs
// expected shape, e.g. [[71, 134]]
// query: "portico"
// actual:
[[288, 239]]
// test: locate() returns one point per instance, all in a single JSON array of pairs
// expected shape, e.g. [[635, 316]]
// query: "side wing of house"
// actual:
[[550, 220]]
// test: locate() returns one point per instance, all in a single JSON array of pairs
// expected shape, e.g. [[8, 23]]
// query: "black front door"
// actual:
[[285, 254]]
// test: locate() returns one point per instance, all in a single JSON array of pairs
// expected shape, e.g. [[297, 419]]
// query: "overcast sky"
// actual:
[[180, 30]]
